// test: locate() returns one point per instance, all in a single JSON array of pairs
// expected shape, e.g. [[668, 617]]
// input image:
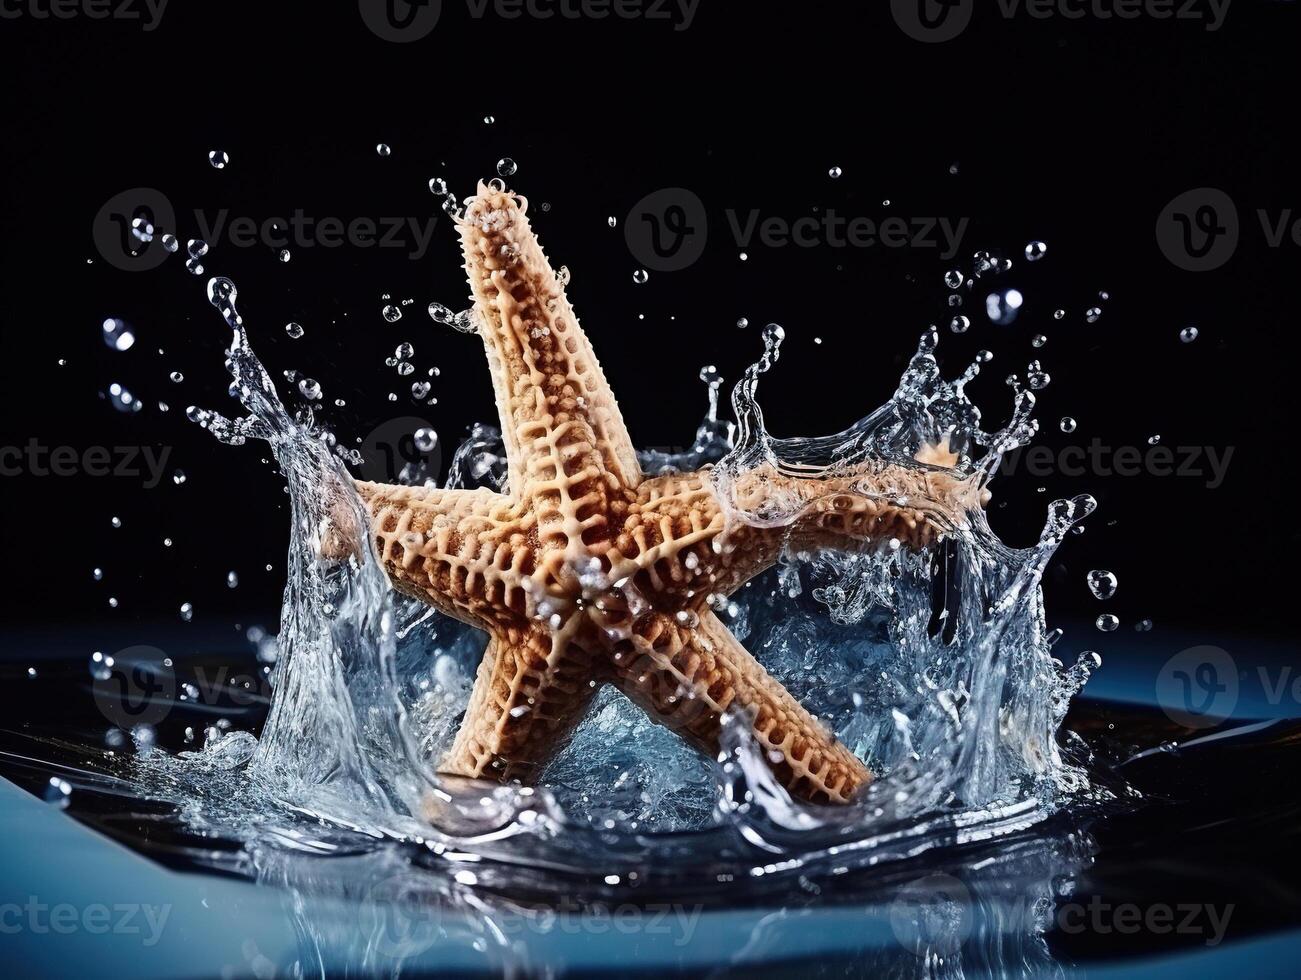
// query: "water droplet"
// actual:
[[392, 313], [177, 377], [1091, 315], [1153, 440], [640, 276], [232, 580], [437, 186], [426, 439], [1003, 308], [953, 278], [142, 229], [170, 243], [1067, 424], [383, 149], [1102, 583], [1038, 340], [196, 248], [218, 159], [406, 369], [116, 522], [122, 399], [98, 574], [187, 611], [1143, 626], [612, 221], [295, 330], [1059, 314], [744, 257], [118, 334], [309, 388], [404, 350], [283, 255], [1107, 623], [1035, 251], [178, 477], [420, 390], [742, 323], [58, 793], [506, 166], [101, 667], [489, 120], [834, 173], [1188, 334], [31, 672], [194, 267], [463, 321], [959, 324]]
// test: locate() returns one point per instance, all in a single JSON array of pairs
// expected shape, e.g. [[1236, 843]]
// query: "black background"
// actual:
[[1077, 132]]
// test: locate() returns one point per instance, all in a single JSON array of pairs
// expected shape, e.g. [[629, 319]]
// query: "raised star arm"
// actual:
[[558, 415]]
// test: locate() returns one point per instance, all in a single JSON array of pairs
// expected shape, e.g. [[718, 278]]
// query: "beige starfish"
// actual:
[[585, 572]]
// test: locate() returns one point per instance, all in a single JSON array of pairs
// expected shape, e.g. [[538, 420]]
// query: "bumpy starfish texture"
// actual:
[[584, 572]]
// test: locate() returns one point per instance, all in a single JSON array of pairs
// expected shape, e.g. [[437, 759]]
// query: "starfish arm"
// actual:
[[685, 678], [558, 415], [531, 690], [461, 551]]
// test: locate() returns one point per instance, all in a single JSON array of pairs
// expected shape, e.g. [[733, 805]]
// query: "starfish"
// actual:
[[584, 572]]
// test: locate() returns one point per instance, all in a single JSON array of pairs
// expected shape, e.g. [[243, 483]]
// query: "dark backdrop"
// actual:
[[1076, 132]]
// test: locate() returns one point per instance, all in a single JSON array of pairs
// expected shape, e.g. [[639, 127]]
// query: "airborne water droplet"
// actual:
[[1102, 583], [383, 149], [959, 324], [187, 611], [392, 313], [834, 173], [1035, 251], [426, 439], [1107, 623], [1188, 334], [1067, 424], [1003, 308], [218, 159], [506, 166], [295, 330], [640, 276], [232, 580], [118, 334]]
